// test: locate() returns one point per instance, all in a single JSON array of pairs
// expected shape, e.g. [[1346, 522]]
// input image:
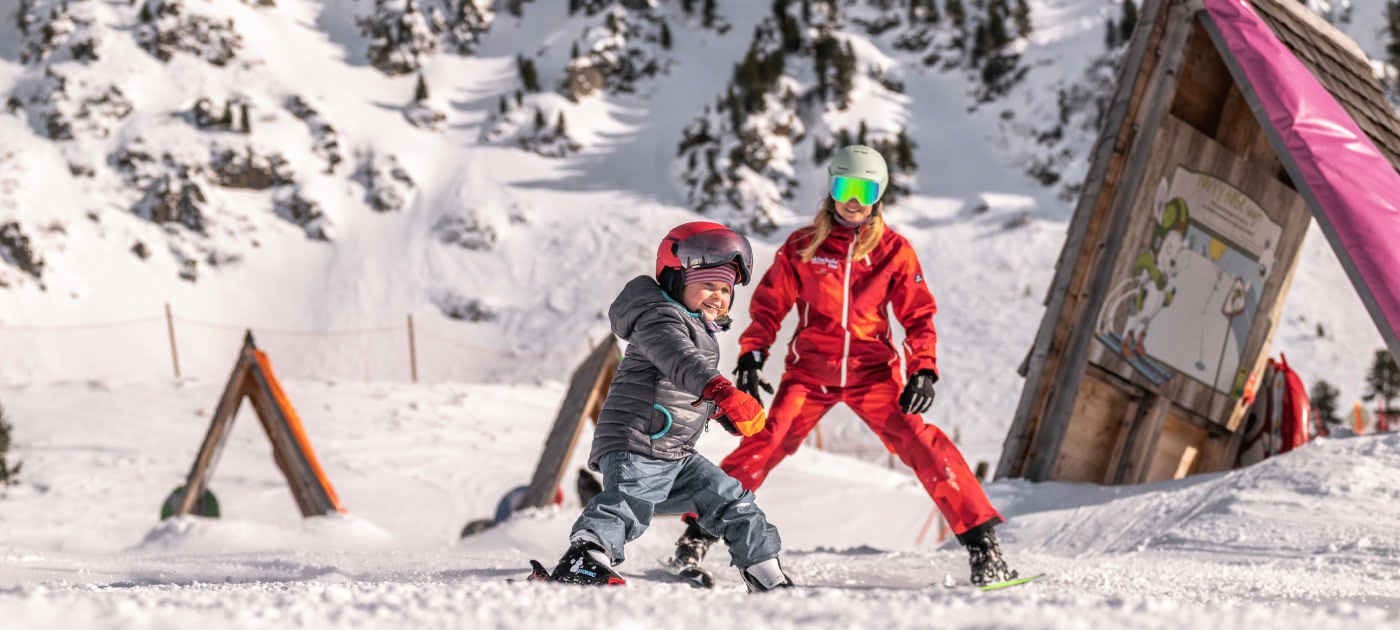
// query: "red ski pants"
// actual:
[[936, 461]]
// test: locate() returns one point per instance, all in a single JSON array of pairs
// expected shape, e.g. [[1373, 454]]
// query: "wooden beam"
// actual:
[[588, 387], [214, 439]]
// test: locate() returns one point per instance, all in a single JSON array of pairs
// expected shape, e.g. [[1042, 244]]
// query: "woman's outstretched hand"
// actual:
[[918, 392], [748, 375]]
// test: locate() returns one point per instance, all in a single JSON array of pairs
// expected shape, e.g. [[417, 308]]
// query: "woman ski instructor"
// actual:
[[842, 273]]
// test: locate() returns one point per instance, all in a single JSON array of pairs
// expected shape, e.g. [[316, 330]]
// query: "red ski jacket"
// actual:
[[843, 332]]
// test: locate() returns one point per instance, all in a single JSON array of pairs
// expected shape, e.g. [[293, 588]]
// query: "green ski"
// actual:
[[1011, 583]]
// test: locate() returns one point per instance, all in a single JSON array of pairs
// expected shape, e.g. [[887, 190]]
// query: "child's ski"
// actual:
[[695, 576], [1010, 583]]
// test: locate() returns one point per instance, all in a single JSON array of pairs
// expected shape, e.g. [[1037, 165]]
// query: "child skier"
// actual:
[[666, 389]]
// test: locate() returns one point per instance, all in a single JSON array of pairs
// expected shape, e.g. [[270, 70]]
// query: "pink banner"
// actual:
[[1351, 187]]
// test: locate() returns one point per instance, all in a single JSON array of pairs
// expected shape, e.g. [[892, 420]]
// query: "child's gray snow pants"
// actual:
[[636, 486]]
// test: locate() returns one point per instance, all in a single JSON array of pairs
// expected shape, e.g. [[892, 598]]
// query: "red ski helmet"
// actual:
[[700, 245]]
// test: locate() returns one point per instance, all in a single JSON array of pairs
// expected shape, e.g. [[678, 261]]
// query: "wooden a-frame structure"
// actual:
[[252, 378]]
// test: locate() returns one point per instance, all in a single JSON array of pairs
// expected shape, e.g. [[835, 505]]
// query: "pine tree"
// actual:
[[420, 93], [573, 51], [980, 43], [1392, 31], [1110, 35], [862, 132], [145, 15], [1383, 380], [7, 474], [539, 120], [956, 12], [1021, 16], [528, 77], [931, 13], [560, 129], [997, 37], [904, 150], [688, 6], [1323, 397], [806, 11], [665, 35], [574, 6], [519, 98], [1128, 21], [244, 124], [707, 14], [501, 107]]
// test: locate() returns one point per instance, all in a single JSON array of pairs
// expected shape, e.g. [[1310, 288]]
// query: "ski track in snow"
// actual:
[[1297, 541]]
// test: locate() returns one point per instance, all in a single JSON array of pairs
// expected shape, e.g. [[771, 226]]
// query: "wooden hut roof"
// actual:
[[1340, 65]]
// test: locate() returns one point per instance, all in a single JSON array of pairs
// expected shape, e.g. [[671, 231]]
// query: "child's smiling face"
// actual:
[[710, 299]]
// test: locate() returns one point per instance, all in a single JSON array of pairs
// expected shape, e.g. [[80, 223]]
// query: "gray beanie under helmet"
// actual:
[[860, 161]]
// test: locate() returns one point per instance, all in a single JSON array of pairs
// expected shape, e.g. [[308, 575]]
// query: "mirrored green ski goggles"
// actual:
[[863, 190]]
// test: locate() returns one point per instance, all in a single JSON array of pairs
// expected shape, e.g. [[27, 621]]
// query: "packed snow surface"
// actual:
[[1304, 540]]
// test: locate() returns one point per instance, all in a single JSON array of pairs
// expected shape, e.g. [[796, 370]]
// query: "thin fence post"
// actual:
[[170, 328], [412, 350]]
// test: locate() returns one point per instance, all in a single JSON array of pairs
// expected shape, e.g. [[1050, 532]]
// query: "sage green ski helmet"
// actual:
[[860, 161]]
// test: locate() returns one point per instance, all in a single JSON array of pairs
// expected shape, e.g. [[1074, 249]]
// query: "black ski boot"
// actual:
[[690, 552], [585, 563], [984, 555], [766, 576]]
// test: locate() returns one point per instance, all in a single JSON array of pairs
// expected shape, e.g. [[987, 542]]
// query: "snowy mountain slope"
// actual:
[[1298, 541], [505, 256]]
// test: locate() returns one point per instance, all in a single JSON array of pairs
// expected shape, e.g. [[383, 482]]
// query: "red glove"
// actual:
[[743, 411]]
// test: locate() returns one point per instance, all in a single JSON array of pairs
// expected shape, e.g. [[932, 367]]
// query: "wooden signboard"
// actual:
[[252, 378], [1174, 272]]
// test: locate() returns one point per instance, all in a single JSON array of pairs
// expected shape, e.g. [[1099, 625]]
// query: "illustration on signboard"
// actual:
[[1193, 285]]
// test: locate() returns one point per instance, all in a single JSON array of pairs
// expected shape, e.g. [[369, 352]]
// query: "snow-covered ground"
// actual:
[[1302, 541], [105, 433]]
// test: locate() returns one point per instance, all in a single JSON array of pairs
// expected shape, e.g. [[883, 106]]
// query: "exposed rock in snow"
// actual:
[[248, 168], [15, 250], [388, 187], [167, 28], [325, 141], [63, 109], [457, 306], [464, 231], [305, 213]]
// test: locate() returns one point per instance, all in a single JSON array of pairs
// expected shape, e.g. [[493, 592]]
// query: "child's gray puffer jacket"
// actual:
[[671, 355]]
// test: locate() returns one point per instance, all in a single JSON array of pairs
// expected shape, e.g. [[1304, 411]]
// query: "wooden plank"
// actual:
[[587, 388], [1105, 160], [1067, 378], [1099, 413], [1204, 84], [217, 435], [1141, 444], [284, 450], [1179, 449], [318, 487]]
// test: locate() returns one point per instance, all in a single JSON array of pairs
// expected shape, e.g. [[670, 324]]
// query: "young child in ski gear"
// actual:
[[843, 273], [666, 390]]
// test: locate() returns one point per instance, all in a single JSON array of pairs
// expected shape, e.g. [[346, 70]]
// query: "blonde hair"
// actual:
[[826, 220]]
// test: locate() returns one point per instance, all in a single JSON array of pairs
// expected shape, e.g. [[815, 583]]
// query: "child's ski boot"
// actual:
[[584, 563], [690, 552], [766, 576]]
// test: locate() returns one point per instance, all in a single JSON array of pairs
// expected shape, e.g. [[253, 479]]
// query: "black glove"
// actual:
[[724, 422], [749, 375], [918, 392]]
